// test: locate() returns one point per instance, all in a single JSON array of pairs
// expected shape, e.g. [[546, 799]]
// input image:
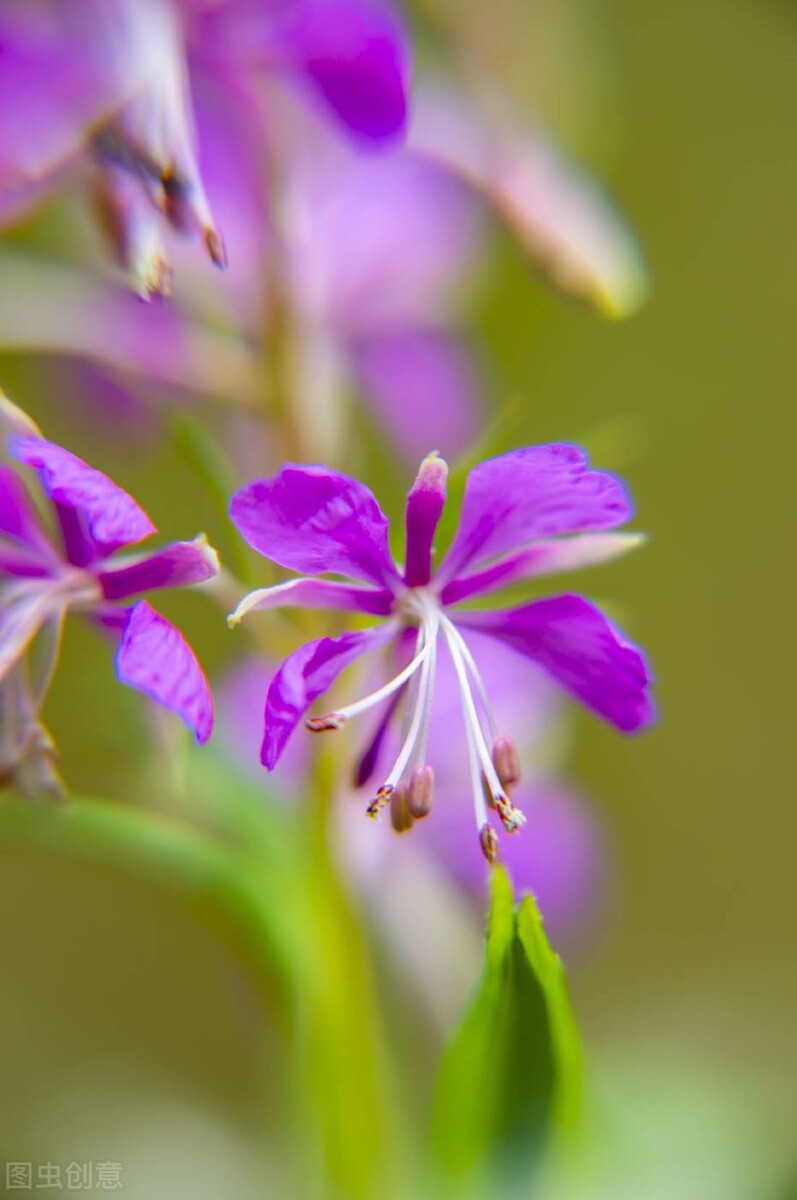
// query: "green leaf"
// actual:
[[511, 1078], [211, 876]]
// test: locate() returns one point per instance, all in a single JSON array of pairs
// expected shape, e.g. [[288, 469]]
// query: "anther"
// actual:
[[420, 792], [488, 839], [506, 761], [380, 801], [215, 246], [153, 277], [400, 816], [511, 818], [324, 724]]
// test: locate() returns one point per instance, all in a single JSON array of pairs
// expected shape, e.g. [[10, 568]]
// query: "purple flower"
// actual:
[[377, 257], [82, 571], [527, 513], [574, 236], [123, 76]]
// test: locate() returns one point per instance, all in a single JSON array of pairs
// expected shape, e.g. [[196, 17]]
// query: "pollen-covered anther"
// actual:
[[506, 761], [488, 840], [420, 792], [325, 723], [153, 277], [400, 816], [380, 801], [511, 818]]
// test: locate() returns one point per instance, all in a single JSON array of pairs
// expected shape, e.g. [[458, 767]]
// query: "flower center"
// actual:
[[409, 784], [415, 606]]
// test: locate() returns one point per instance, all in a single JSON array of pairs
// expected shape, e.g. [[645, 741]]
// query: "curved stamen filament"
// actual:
[[339, 717], [511, 817], [479, 803], [425, 697], [420, 713], [420, 716], [470, 662]]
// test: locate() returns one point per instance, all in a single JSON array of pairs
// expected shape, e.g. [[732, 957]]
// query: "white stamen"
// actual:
[[470, 662], [429, 633], [341, 715], [425, 699], [479, 803], [511, 817]]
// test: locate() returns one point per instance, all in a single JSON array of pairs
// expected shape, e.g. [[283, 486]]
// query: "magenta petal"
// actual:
[[111, 517], [315, 593], [155, 658], [354, 53], [178, 565], [575, 643], [424, 384], [540, 491], [559, 855], [303, 677], [18, 518], [312, 520], [50, 92], [545, 557]]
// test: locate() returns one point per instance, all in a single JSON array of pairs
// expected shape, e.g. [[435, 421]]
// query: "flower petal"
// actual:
[[424, 383], [542, 558], [355, 54], [312, 520], [108, 517], [536, 492], [573, 234], [51, 90], [303, 677], [314, 593], [155, 658], [178, 565], [381, 244], [560, 855], [576, 644], [18, 518]]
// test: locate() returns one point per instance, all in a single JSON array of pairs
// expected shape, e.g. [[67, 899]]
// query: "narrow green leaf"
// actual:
[[213, 876], [510, 1079]]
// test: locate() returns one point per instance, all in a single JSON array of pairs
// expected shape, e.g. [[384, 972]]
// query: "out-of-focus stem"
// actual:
[[27, 752]]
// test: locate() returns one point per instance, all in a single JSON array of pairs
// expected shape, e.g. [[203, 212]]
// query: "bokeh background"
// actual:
[[132, 1029]]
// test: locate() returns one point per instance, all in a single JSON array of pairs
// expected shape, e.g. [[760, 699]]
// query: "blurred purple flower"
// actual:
[[574, 235], [515, 512], [377, 255], [42, 580], [122, 75]]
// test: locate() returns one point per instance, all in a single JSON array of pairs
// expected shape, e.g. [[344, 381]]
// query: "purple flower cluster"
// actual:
[[209, 118], [125, 82]]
